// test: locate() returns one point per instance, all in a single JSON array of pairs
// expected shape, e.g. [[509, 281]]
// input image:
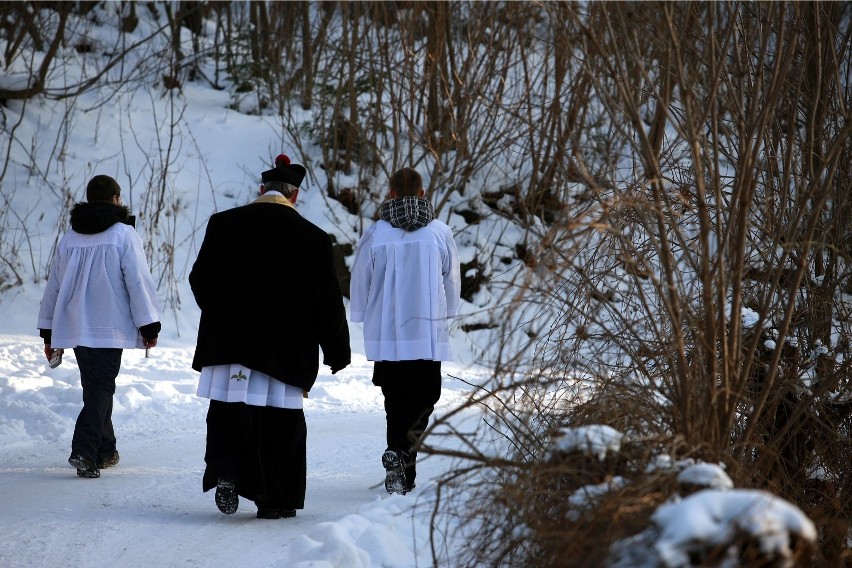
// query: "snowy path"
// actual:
[[150, 510]]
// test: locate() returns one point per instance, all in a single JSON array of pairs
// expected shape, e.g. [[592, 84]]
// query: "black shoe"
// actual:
[[274, 513], [85, 466], [394, 473], [226, 497], [108, 461]]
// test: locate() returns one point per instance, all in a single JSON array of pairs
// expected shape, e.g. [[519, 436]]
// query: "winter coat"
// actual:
[[100, 291], [269, 295], [406, 284]]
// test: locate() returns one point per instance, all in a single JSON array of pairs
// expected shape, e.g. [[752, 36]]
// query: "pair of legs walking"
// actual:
[[411, 389], [93, 443], [259, 453]]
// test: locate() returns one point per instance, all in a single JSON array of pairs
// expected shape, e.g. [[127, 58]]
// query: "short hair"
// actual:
[[406, 182], [102, 189], [282, 187]]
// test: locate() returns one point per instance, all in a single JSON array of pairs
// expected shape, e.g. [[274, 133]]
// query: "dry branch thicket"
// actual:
[[691, 290], [659, 195]]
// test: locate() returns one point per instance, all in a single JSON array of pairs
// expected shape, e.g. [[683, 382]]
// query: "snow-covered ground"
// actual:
[[150, 510]]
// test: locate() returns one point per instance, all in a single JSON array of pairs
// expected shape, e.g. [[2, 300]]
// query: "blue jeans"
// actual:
[[94, 437]]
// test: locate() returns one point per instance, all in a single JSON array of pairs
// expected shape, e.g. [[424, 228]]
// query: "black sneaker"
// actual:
[[108, 461], [226, 496], [85, 466], [394, 473]]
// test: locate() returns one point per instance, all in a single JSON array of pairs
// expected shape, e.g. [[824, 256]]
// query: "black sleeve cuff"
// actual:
[[150, 331], [45, 334]]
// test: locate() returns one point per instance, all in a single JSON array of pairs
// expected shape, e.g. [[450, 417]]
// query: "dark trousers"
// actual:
[[262, 448], [411, 390], [94, 437]]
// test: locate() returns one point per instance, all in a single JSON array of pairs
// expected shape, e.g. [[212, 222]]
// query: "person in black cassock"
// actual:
[[270, 300]]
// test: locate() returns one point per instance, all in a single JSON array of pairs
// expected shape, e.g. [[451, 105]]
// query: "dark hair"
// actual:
[[406, 182], [102, 189]]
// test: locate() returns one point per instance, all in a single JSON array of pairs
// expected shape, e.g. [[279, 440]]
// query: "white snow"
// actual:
[[708, 475], [716, 517], [749, 317], [595, 440], [149, 510]]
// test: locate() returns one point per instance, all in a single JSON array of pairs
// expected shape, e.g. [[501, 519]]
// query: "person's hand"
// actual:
[[149, 343], [48, 352], [336, 368]]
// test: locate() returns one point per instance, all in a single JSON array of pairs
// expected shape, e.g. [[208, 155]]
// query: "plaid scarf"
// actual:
[[409, 213]]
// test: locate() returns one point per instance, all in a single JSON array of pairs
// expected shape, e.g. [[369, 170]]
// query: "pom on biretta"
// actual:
[[285, 171]]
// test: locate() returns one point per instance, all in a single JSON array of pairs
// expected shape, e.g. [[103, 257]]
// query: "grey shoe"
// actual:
[[85, 466], [394, 472], [226, 496]]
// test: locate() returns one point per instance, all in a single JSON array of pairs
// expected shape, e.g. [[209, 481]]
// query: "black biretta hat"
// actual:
[[285, 172]]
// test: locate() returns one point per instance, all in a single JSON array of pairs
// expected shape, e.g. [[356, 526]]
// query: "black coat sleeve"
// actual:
[[333, 329], [199, 276]]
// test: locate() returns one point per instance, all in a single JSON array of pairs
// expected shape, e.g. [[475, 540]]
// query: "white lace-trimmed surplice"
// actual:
[[237, 383]]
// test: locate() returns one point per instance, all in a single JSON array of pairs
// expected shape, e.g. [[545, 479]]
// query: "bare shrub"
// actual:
[[692, 293]]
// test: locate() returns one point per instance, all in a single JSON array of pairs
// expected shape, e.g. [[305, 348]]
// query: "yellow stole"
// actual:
[[279, 199]]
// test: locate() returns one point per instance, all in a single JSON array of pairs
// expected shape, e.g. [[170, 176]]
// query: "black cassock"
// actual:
[[261, 448], [270, 300]]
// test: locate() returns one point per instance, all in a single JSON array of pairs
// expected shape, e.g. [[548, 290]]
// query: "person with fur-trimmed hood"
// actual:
[[100, 298], [405, 287], [270, 300]]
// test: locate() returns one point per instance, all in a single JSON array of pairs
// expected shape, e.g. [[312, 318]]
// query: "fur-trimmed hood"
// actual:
[[91, 218]]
